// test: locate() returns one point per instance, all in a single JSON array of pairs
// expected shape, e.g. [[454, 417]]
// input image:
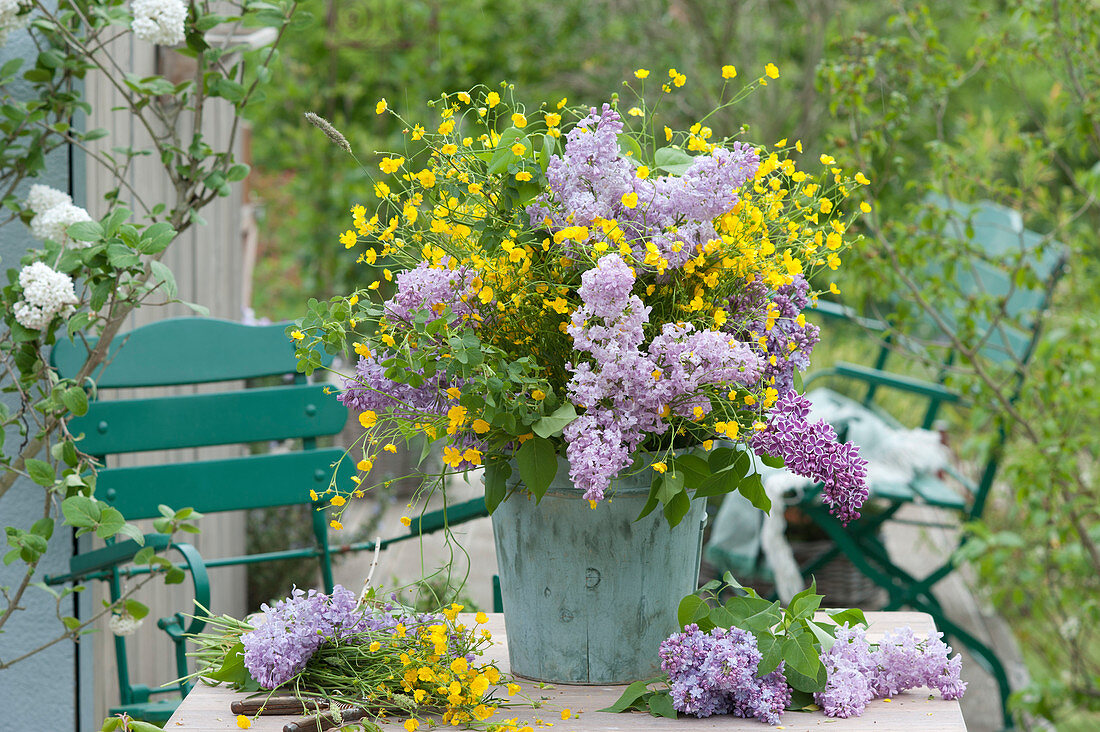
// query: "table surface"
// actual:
[[206, 708]]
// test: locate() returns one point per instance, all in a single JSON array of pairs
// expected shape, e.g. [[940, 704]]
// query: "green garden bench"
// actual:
[[189, 351], [999, 235]]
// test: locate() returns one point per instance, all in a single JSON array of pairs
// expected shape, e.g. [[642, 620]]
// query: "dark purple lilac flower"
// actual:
[[812, 451]]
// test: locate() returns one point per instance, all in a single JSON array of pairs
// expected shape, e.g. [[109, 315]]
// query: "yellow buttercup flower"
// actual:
[[641, 73], [492, 99], [518, 120], [243, 722], [771, 71], [523, 176], [406, 521], [729, 72], [381, 107]]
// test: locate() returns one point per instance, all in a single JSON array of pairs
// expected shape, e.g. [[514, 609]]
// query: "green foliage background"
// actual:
[[973, 101]]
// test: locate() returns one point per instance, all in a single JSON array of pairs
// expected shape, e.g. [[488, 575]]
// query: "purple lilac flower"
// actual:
[[675, 214], [715, 673], [432, 288], [787, 341], [812, 451], [625, 390], [370, 389], [857, 674], [294, 628]]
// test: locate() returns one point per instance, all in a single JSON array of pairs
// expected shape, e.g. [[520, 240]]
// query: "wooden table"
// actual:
[[206, 709]]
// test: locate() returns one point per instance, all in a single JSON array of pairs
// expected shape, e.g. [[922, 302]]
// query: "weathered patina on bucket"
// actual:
[[589, 594]]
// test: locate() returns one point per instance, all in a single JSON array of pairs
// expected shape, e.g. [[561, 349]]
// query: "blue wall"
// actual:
[[42, 690]]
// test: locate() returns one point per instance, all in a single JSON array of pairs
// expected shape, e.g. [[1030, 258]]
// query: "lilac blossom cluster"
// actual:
[[715, 673], [813, 451], [857, 674], [424, 289], [625, 390], [431, 289], [673, 213], [371, 389], [294, 628], [788, 340]]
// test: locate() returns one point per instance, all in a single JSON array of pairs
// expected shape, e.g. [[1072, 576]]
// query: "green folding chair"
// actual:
[[200, 351], [999, 234]]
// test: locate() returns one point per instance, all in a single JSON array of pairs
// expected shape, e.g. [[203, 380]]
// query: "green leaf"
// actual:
[[81, 511], [771, 652], [136, 609], [629, 147], [671, 486], [695, 469], [552, 425], [752, 489], [772, 462], [121, 256], [71, 623], [660, 705], [139, 726], [110, 521], [40, 471], [134, 533], [677, 508], [805, 603], [144, 555], [174, 576], [718, 484], [823, 633], [754, 613], [162, 275], [43, 527], [497, 473], [799, 652], [629, 698], [200, 309], [852, 616], [503, 155], [156, 238], [692, 609], [85, 231], [237, 172], [804, 683], [111, 724], [538, 464], [673, 160], [652, 502], [75, 400]]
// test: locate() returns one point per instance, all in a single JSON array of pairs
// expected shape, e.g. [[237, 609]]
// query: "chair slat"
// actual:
[[164, 354], [256, 481], [195, 420]]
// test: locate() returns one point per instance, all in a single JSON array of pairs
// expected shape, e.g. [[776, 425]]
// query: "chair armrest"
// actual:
[[836, 311], [878, 377]]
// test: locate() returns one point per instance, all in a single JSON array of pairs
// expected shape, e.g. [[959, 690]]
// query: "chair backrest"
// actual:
[[197, 351], [1013, 267]]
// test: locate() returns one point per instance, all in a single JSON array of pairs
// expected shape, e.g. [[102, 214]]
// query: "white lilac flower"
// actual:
[[42, 198], [159, 21], [124, 624], [46, 294], [10, 19], [53, 223]]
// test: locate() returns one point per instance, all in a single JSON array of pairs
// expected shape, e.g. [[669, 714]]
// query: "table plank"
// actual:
[[206, 709]]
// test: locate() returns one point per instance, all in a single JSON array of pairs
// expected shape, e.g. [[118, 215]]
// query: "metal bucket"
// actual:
[[589, 594]]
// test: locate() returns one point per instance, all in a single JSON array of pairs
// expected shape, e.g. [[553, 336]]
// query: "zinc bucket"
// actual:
[[589, 594]]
